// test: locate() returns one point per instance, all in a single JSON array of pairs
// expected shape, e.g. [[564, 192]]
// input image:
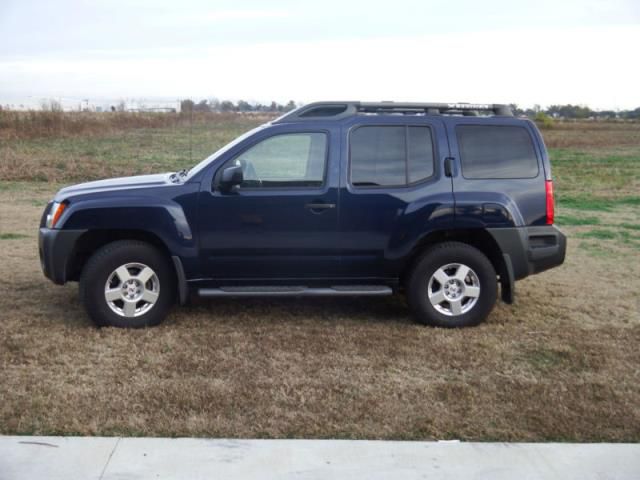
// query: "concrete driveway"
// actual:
[[85, 458]]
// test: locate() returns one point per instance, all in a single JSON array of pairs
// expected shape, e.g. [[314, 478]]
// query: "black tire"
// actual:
[[106, 260], [440, 255]]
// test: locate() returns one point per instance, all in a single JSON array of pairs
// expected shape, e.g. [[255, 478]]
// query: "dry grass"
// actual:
[[561, 364], [47, 124], [110, 147], [582, 135], [15, 125]]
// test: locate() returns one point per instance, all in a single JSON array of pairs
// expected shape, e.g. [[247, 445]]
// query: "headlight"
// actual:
[[55, 213]]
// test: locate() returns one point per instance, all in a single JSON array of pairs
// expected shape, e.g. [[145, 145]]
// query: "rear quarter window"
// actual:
[[492, 151]]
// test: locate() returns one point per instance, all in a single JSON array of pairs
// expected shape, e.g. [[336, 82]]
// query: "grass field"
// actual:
[[563, 363]]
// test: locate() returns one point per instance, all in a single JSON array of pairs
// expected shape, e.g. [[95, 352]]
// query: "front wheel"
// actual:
[[127, 284], [452, 285]]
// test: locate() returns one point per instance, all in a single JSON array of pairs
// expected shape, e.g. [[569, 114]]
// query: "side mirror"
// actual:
[[231, 176]]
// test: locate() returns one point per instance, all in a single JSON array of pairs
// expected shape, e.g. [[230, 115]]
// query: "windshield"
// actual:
[[195, 170]]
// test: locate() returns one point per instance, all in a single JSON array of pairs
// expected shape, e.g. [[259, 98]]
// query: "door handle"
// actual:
[[448, 167], [319, 207]]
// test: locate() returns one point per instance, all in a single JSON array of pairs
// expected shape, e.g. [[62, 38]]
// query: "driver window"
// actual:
[[288, 160]]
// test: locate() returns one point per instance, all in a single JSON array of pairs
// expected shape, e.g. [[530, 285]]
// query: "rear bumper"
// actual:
[[56, 248], [531, 249]]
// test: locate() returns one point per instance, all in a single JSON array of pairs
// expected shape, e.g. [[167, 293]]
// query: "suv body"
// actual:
[[338, 198]]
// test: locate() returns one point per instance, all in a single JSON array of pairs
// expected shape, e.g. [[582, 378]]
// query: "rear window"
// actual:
[[496, 152], [390, 156]]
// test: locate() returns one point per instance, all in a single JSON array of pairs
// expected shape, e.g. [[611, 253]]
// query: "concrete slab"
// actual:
[[54, 458], [132, 458]]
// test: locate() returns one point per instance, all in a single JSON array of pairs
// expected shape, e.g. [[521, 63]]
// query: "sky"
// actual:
[[495, 51]]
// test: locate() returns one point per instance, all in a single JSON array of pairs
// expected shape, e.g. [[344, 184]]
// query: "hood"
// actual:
[[113, 184]]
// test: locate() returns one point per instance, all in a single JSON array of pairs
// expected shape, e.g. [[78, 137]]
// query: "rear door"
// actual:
[[394, 191]]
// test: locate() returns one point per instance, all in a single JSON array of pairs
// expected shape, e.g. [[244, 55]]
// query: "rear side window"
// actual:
[[496, 152], [390, 155]]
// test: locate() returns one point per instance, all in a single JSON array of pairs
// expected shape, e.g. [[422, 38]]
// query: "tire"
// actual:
[[127, 284], [441, 291]]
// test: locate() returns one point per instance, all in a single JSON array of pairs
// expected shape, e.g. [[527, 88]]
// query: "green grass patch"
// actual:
[[596, 179], [599, 234], [630, 226], [7, 186], [579, 203], [11, 236], [628, 239], [543, 359], [573, 220], [633, 201], [622, 237], [596, 250], [597, 204]]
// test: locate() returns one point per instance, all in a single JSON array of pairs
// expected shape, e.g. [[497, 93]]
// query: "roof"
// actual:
[[340, 110]]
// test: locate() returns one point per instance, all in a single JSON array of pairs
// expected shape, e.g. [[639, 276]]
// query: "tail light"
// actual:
[[550, 204]]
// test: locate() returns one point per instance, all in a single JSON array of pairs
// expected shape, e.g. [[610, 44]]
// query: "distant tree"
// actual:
[[606, 114], [570, 111], [290, 106], [121, 106], [202, 106], [633, 114], [581, 111], [517, 111], [214, 104], [227, 106], [244, 106], [543, 120], [186, 105]]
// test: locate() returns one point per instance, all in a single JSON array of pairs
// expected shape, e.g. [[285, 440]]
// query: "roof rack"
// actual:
[[339, 110]]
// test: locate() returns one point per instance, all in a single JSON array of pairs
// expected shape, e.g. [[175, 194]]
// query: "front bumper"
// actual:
[[531, 249], [56, 250]]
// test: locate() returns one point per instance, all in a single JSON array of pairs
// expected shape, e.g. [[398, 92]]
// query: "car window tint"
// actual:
[[390, 155], [288, 160], [491, 151], [419, 153]]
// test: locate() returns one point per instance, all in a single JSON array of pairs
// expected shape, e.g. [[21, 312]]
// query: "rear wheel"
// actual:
[[452, 285], [127, 284]]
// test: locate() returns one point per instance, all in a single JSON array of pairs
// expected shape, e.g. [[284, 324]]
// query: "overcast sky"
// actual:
[[525, 52]]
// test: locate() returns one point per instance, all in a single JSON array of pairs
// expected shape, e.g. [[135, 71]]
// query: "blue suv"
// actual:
[[441, 202]]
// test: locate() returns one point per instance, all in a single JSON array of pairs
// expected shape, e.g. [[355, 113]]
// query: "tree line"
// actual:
[[575, 112], [215, 105], [567, 111]]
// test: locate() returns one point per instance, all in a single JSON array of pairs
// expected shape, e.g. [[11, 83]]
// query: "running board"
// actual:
[[346, 290]]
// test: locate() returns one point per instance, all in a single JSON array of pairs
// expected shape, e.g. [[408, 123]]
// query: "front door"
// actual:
[[281, 221]]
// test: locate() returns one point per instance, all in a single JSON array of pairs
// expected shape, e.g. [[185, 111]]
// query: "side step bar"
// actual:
[[346, 290]]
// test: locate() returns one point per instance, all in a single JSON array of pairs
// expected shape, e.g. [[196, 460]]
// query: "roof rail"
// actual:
[[339, 110]]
